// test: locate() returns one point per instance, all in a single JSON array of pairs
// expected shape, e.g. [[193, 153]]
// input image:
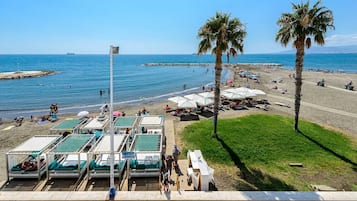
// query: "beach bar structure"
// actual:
[[199, 172], [152, 124], [122, 123], [147, 161], [68, 159], [96, 126], [28, 159], [99, 157], [69, 125]]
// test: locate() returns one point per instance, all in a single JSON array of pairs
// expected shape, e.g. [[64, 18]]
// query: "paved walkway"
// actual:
[[179, 181], [182, 195]]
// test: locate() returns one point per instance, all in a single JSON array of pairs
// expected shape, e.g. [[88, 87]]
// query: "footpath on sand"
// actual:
[[319, 107]]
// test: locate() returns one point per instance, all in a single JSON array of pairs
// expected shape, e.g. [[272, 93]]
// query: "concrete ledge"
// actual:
[[183, 195]]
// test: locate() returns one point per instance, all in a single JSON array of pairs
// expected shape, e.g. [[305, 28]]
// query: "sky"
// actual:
[[149, 26]]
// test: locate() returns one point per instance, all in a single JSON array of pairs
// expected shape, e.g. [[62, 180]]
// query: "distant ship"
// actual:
[[70, 53]]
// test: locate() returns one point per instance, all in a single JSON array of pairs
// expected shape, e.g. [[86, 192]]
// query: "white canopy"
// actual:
[[36, 143], [152, 121], [95, 124], [104, 144]]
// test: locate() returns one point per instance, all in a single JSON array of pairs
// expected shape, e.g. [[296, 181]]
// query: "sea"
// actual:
[[82, 82]]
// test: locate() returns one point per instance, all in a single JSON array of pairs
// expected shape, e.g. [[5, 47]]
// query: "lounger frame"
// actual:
[[96, 155], [80, 155], [15, 157], [146, 158]]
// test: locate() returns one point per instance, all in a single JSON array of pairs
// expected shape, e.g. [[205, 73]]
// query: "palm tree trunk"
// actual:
[[218, 70], [299, 63]]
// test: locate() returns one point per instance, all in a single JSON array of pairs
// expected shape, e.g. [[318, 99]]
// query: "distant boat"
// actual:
[[70, 53]]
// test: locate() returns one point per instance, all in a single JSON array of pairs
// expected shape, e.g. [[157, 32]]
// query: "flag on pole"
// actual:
[[115, 49]]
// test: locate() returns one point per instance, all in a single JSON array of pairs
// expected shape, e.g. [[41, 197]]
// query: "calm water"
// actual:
[[79, 78]]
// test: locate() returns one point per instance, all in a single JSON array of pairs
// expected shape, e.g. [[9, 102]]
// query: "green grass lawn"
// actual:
[[262, 146]]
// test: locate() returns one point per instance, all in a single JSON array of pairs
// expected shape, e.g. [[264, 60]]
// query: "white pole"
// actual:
[[113, 50]]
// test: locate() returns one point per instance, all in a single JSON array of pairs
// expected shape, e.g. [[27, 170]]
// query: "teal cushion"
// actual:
[[53, 165]]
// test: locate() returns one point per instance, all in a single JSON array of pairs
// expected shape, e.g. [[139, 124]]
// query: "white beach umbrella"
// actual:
[[177, 99], [83, 114], [209, 94], [200, 100], [258, 92], [193, 96], [186, 104], [205, 101], [243, 91], [232, 96]]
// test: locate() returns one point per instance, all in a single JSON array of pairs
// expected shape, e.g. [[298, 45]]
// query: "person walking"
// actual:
[[169, 162], [175, 153]]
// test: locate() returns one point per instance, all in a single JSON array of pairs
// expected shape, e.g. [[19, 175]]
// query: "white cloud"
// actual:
[[341, 40]]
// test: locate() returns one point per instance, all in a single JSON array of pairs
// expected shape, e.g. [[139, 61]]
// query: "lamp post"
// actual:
[[113, 50]]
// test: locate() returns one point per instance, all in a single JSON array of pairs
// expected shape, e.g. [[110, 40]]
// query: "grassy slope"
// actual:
[[262, 146]]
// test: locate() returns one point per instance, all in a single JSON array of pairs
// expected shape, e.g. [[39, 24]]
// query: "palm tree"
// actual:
[[299, 27], [222, 35]]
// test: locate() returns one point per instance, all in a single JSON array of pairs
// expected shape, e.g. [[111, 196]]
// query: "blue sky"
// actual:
[[148, 27]]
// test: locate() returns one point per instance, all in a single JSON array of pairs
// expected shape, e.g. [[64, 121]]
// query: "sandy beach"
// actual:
[[331, 106]]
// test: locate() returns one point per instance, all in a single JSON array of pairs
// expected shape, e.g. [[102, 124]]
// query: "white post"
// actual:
[[113, 50]]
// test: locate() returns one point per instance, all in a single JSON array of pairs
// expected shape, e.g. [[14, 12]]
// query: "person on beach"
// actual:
[[167, 107], [169, 162], [165, 182], [127, 131], [175, 153]]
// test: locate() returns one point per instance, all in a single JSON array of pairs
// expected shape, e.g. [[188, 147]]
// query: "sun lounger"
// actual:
[[68, 159], [147, 149], [28, 159], [281, 104], [100, 156]]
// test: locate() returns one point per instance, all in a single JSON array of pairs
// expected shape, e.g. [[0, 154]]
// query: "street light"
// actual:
[[113, 50]]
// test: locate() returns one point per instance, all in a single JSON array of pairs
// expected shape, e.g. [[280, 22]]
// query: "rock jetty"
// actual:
[[24, 74]]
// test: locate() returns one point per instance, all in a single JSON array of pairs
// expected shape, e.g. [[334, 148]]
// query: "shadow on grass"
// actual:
[[255, 179], [341, 157]]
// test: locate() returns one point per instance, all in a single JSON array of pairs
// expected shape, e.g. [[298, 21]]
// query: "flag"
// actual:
[[115, 49]]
